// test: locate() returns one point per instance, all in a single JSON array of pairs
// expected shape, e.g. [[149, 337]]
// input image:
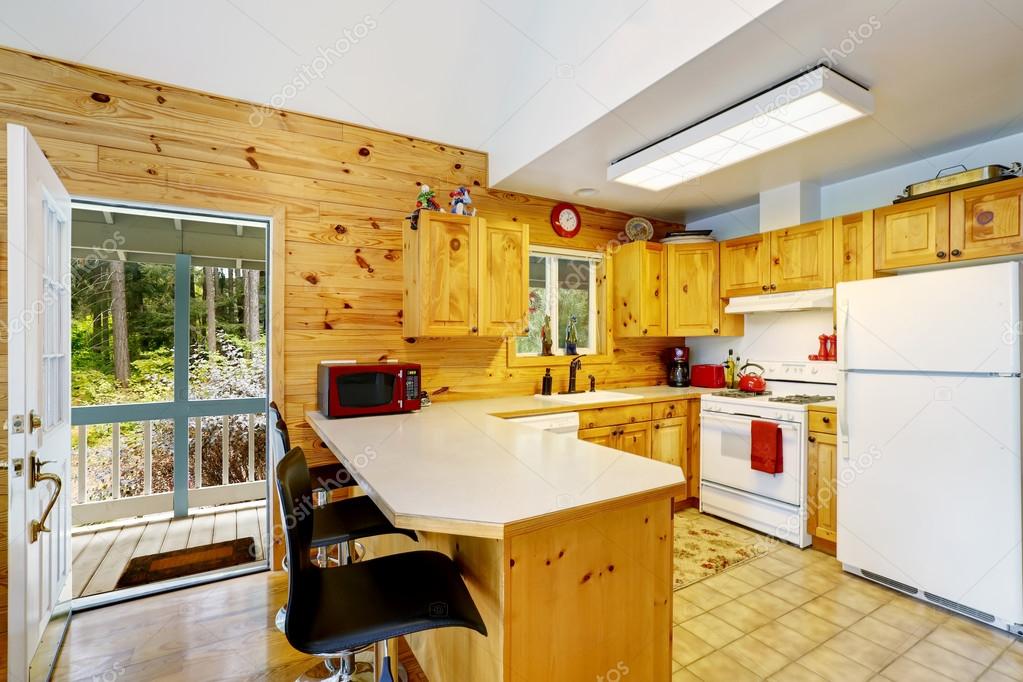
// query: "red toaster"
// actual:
[[707, 376]]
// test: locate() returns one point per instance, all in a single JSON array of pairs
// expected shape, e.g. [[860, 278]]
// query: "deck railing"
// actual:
[[222, 468]]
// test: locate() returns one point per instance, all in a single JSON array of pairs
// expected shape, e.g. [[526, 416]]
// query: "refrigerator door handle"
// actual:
[[843, 413]]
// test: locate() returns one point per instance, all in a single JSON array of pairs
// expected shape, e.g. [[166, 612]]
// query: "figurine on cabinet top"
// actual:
[[461, 202], [425, 199]]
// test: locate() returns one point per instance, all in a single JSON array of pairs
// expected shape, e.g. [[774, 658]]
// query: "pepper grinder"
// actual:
[[833, 347], [822, 351]]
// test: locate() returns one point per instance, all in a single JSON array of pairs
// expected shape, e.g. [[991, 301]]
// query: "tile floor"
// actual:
[[795, 615]]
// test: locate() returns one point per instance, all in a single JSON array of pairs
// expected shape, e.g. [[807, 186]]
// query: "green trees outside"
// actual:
[[122, 347]]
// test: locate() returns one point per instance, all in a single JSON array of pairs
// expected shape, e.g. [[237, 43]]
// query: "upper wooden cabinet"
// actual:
[[504, 279], [987, 220], [694, 301], [464, 278], [912, 233], [853, 246], [745, 266], [801, 257], [792, 259], [640, 304]]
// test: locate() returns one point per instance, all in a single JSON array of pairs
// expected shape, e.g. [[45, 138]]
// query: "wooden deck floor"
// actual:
[[101, 552]]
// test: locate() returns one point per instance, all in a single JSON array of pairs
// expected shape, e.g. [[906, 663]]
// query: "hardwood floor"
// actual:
[[101, 552], [220, 631], [787, 615]]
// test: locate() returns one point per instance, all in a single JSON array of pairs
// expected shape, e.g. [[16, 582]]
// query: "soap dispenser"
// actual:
[[547, 383]]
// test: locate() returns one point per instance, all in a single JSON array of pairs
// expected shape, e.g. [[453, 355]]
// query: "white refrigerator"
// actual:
[[929, 476]]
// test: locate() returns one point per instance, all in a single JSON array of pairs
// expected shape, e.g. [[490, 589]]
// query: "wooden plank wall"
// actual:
[[343, 190]]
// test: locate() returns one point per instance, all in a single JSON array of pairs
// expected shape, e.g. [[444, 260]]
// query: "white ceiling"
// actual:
[[555, 90], [944, 74], [496, 75]]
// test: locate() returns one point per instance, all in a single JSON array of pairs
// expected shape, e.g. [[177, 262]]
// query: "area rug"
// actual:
[[151, 568], [705, 548]]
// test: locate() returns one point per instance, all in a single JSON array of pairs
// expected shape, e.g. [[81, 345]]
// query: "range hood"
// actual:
[[780, 303]]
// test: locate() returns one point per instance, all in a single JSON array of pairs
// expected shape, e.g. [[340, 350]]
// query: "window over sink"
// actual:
[[562, 285]]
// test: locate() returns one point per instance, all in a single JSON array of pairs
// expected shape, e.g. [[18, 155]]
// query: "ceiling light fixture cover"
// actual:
[[810, 103]]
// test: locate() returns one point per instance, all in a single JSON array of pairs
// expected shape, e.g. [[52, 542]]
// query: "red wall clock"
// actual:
[[565, 220]]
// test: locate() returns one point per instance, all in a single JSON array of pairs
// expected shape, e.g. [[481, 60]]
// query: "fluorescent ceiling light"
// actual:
[[806, 105]]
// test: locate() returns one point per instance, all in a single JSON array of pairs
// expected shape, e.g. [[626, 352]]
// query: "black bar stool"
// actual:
[[338, 523], [334, 612]]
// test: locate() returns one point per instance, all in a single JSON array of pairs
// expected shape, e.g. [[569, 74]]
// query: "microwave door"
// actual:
[[366, 389]]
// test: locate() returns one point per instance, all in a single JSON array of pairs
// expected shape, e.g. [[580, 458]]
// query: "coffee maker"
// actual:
[[678, 368]]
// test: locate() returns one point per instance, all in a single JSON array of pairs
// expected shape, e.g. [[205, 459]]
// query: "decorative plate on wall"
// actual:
[[639, 229]]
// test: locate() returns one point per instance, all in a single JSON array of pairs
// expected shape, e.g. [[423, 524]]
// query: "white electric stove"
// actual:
[[773, 504]]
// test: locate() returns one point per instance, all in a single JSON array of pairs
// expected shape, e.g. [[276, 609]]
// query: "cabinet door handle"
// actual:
[[956, 252], [773, 287], [765, 287], [716, 330], [474, 330], [940, 254], [657, 426], [812, 439], [826, 420], [644, 331]]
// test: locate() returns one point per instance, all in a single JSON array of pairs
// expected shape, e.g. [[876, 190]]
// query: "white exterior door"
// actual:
[[39, 416]]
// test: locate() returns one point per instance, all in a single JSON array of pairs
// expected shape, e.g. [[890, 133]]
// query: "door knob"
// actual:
[[956, 252], [36, 476], [940, 254]]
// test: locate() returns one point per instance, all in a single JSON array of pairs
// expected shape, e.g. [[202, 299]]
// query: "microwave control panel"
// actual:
[[412, 384]]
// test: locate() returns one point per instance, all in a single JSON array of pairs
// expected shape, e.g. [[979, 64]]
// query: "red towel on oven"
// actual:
[[765, 447]]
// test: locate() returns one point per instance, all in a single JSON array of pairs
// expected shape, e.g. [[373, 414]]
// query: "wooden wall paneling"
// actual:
[[344, 191]]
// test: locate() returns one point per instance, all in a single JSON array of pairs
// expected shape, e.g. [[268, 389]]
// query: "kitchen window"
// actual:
[[563, 285]]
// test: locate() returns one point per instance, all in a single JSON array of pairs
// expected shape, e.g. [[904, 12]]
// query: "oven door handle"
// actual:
[[745, 419]]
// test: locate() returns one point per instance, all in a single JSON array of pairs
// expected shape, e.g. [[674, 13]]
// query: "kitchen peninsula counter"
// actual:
[[566, 546]]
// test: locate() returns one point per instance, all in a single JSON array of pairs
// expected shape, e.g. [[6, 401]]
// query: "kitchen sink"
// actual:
[[587, 397]]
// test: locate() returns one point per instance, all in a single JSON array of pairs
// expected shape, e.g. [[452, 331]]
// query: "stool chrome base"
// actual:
[[349, 669]]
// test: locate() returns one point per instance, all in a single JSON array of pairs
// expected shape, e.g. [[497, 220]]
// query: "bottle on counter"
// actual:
[[547, 383], [730, 370]]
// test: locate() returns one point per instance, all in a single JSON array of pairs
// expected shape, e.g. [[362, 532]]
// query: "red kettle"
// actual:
[[752, 383]]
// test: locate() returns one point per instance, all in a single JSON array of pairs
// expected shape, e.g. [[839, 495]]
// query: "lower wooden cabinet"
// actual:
[[669, 441], [635, 438], [632, 438], [667, 431], [822, 477]]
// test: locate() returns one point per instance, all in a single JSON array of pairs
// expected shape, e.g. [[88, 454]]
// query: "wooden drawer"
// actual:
[[823, 422], [608, 416], [668, 410]]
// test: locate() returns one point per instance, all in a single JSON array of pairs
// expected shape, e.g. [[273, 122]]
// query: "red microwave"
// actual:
[[352, 389]]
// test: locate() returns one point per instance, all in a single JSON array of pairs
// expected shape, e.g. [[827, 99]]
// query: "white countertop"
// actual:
[[454, 467]]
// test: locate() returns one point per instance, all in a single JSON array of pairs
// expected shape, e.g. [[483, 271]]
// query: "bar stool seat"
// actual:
[[332, 612], [351, 519], [383, 598]]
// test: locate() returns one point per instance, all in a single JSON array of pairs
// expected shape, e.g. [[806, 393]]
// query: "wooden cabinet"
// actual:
[[668, 431], [986, 221], [694, 300], [912, 233], [853, 246], [504, 279], [822, 479], [601, 435], [631, 438], [669, 441], [464, 278], [801, 257], [792, 259], [745, 266], [635, 438], [640, 304]]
